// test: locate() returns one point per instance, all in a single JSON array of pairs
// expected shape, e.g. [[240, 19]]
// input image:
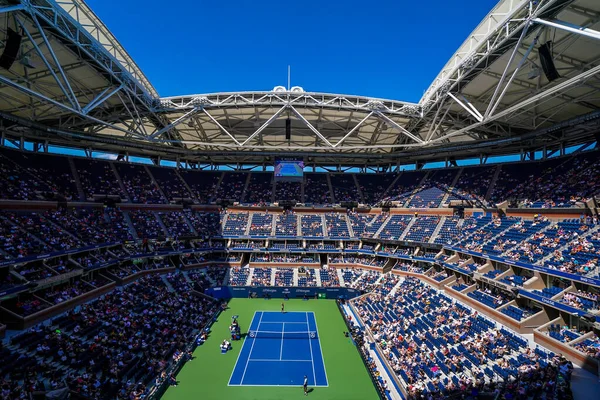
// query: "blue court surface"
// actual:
[[279, 350]]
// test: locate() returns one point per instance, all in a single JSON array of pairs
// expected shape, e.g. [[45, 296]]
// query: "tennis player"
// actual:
[[305, 385], [282, 308]]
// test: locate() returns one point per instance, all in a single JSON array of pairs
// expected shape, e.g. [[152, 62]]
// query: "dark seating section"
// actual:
[[260, 188], [17, 183], [170, 317], [344, 188], [98, 178], [171, 184], [54, 170], [176, 224], [138, 184], [232, 186], [374, 186], [146, 225], [403, 187], [290, 191], [203, 184], [316, 189]]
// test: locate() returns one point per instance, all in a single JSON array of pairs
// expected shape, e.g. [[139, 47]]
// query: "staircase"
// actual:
[[217, 187], [187, 277], [490, 190], [330, 188], [190, 225], [120, 181], [167, 283], [273, 273], [226, 278], [246, 184], [317, 277], [130, 225], [437, 229], [341, 277], [417, 189], [274, 225], [250, 275], [376, 234], [161, 223], [298, 225], [295, 279], [187, 187], [452, 185], [395, 288], [211, 280], [349, 225], [248, 224], [324, 225], [407, 229], [77, 180], [391, 185], [156, 183], [358, 188], [224, 222]]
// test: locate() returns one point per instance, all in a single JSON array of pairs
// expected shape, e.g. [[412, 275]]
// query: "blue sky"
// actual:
[[393, 49]]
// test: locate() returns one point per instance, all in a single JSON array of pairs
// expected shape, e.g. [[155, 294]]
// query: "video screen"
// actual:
[[289, 170]]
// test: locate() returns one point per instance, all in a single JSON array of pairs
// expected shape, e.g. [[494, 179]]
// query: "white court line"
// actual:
[[274, 360], [239, 354], [281, 349], [320, 348], [251, 347], [279, 385], [311, 352], [271, 322]]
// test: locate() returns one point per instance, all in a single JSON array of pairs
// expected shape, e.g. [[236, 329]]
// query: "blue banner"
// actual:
[[552, 303], [12, 290], [227, 292]]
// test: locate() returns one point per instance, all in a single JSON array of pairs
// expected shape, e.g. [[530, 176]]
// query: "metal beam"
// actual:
[[471, 110], [40, 96], [101, 98], [548, 92], [353, 129], [70, 93], [512, 77], [7, 9], [397, 126], [220, 127], [569, 27], [309, 125], [508, 64], [265, 124], [173, 124]]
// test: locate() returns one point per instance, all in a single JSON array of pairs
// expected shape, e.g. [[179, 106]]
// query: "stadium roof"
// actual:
[[73, 84]]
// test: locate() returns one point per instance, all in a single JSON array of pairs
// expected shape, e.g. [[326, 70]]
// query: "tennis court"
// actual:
[[279, 350]]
